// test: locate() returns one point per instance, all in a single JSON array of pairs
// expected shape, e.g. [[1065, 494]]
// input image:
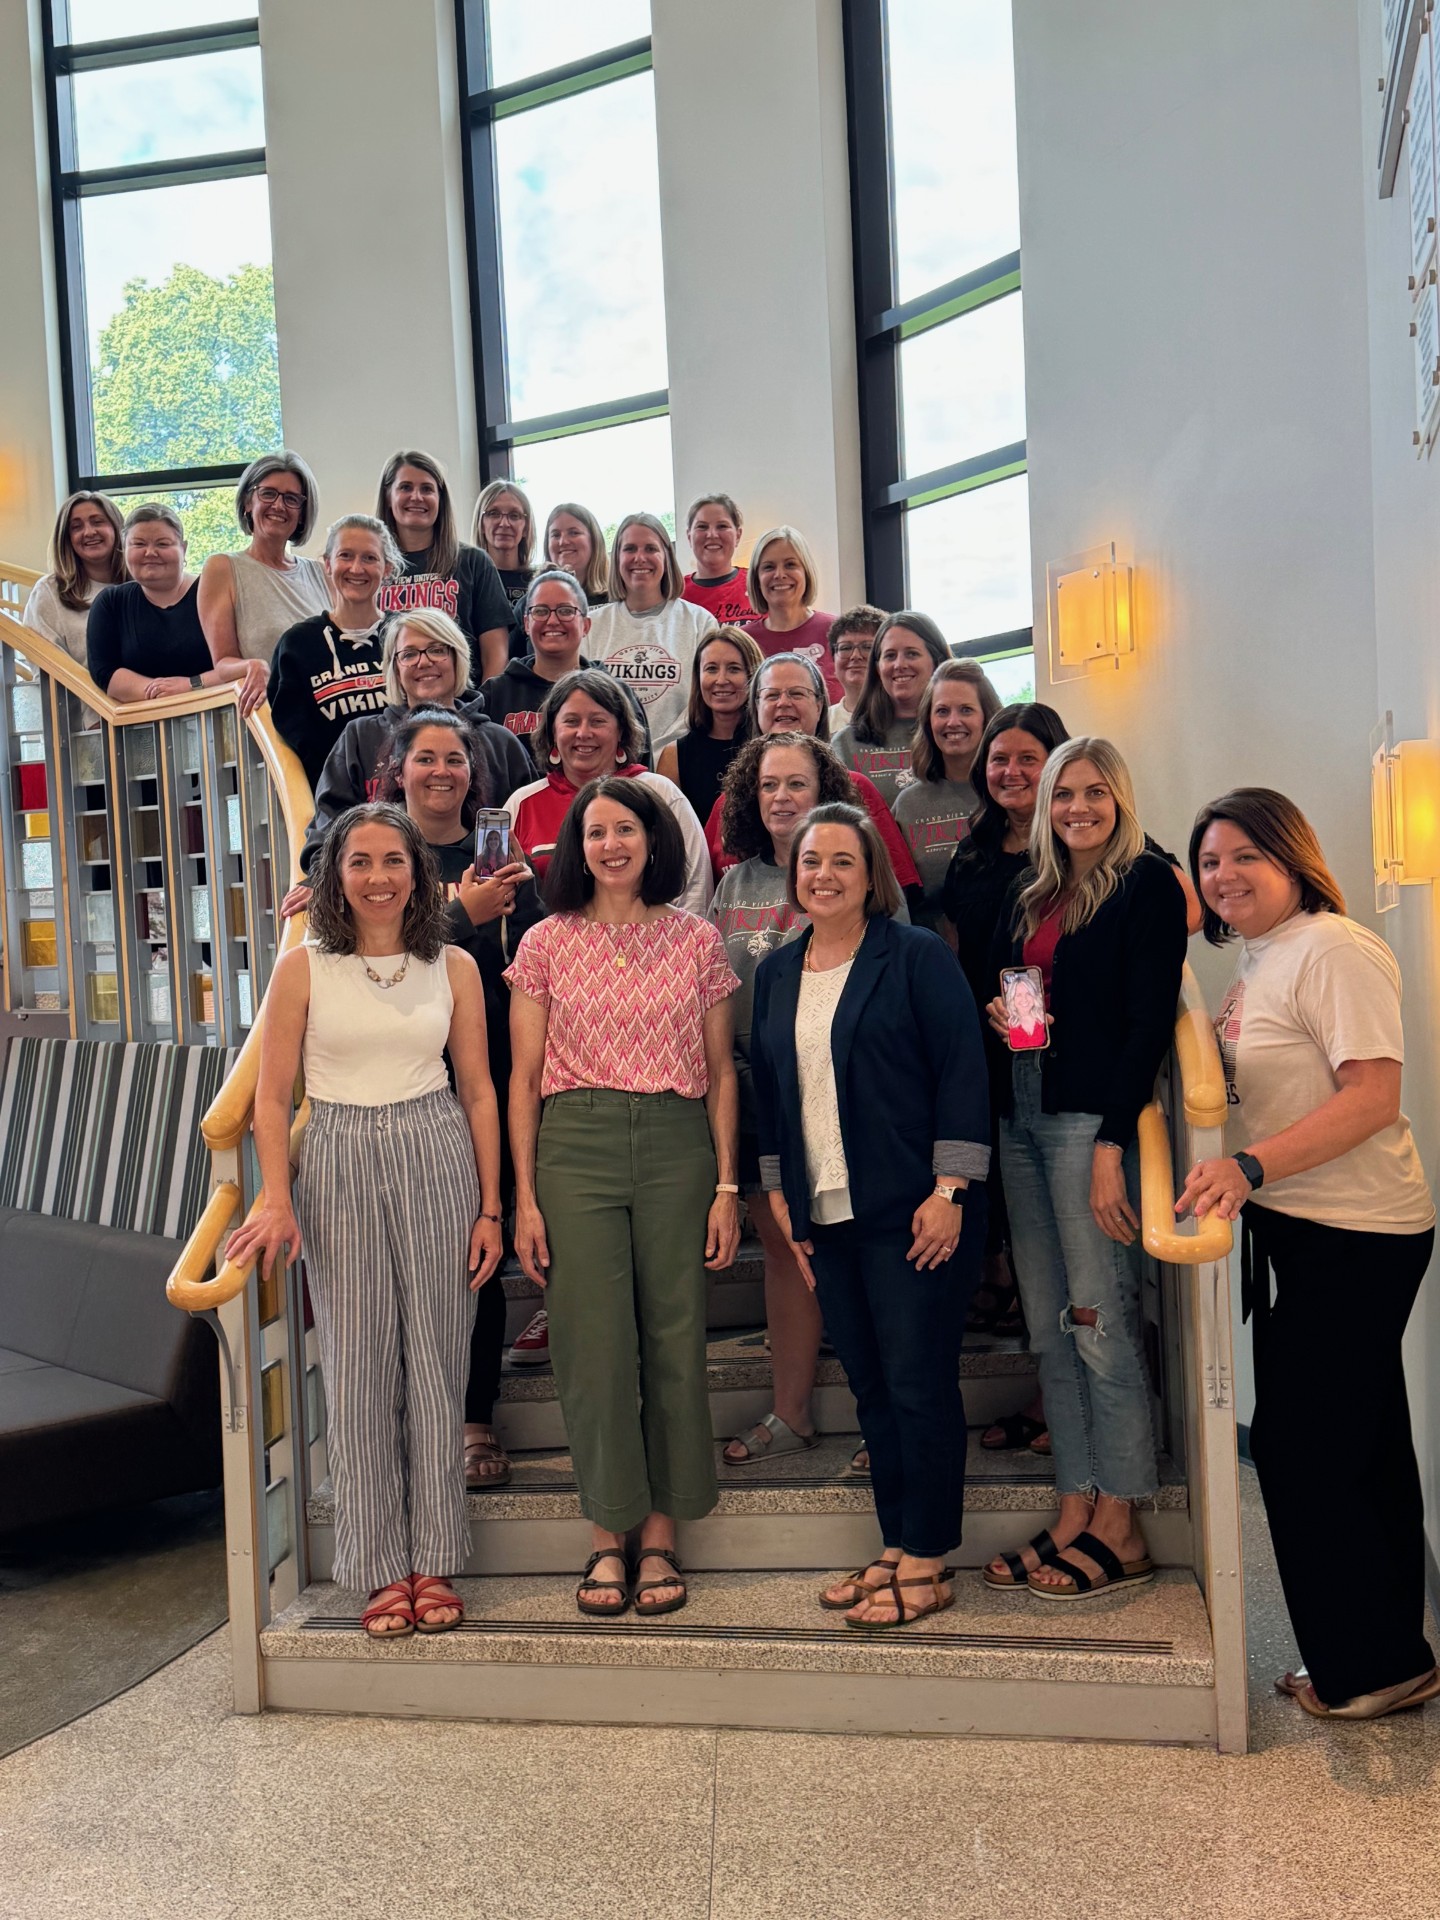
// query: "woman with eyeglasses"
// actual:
[[556, 613], [787, 695], [648, 638], [504, 528], [441, 572], [247, 600], [851, 641], [575, 544]]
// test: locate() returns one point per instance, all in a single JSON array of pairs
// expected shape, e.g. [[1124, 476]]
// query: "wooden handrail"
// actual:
[[54, 660], [1202, 1076], [1211, 1238], [187, 1288]]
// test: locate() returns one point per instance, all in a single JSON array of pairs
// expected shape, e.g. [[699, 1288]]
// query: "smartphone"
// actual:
[[1023, 991], [492, 841]]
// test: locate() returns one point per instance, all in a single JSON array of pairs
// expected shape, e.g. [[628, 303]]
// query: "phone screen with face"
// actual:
[[492, 841], [1023, 991]]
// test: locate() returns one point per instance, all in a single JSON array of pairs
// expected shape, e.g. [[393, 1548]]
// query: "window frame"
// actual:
[[70, 184], [882, 324], [482, 106]]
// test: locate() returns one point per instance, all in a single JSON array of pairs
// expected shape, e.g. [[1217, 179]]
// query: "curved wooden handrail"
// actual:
[[187, 1287], [54, 660], [1210, 1239], [1202, 1075]]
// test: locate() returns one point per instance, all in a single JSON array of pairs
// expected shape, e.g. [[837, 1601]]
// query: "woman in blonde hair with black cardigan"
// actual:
[[1103, 919]]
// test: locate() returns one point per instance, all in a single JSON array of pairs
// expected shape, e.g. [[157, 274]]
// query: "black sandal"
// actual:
[[599, 1609], [1045, 1549], [1114, 1572], [654, 1586], [1018, 1430]]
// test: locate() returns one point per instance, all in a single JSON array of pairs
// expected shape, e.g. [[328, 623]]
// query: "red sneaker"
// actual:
[[532, 1349]]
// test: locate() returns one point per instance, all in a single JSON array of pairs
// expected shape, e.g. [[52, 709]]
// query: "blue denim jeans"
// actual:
[[1097, 1391]]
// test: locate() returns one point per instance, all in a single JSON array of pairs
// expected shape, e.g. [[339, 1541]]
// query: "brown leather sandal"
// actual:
[[859, 1588], [601, 1609], [907, 1616], [487, 1465], [654, 1586]]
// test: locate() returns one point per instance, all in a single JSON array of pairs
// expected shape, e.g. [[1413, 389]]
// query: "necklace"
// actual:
[[395, 978], [808, 964]]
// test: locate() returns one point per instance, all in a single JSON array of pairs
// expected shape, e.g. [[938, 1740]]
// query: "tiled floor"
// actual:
[[164, 1803]]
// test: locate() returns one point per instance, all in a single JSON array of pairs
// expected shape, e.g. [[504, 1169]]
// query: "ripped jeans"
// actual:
[[1097, 1391]]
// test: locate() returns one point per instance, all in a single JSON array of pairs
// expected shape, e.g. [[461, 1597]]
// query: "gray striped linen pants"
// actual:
[[386, 1198]]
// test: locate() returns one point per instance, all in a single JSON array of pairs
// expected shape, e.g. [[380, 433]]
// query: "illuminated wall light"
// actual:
[[1092, 612], [1404, 813]]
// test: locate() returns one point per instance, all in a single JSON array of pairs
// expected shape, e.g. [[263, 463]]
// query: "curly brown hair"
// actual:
[[740, 830], [422, 931]]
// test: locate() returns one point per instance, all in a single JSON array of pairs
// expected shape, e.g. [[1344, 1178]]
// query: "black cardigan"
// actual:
[[1114, 989]]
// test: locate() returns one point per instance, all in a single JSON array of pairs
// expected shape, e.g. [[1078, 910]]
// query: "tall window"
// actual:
[[567, 296], [935, 207], [157, 152]]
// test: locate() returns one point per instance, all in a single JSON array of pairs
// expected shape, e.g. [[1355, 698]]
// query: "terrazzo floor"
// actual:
[[163, 1803]]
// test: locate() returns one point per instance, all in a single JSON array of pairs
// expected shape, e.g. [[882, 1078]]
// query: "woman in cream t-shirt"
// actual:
[[1312, 1045]]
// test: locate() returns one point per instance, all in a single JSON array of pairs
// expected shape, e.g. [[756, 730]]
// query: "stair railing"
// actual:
[[1187, 1125], [144, 852]]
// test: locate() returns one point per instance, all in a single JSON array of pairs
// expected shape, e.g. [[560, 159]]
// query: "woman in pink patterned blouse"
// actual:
[[625, 1184]]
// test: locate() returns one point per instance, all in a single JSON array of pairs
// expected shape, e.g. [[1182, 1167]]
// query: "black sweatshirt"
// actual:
[[470, 593], [319, 682], [1114, 989], [513, 697]]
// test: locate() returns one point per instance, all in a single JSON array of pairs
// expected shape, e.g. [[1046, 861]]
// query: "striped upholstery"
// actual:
[[102, 1131]]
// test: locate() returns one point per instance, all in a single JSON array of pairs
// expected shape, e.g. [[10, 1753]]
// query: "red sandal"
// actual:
[[431, 1594], [394, 1601]]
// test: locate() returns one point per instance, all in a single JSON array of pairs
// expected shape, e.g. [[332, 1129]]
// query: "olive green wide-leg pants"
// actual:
[[625, 1182]]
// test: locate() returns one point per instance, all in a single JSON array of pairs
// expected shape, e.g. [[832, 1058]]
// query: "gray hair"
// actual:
[[817, 681], [261, 469], [389, 546], [567, 580]]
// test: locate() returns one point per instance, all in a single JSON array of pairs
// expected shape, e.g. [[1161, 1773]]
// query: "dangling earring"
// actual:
[[620, 756], [554, 757]]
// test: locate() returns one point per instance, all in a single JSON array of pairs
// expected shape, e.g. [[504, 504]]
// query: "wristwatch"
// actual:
[[1251, 1168], [955, 1195], [197, 681]]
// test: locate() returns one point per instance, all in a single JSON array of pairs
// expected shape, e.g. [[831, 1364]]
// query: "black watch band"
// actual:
[[197, 681], [1251, 1168]]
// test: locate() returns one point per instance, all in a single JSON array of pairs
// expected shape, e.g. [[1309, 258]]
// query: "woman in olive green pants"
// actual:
[[625, 1189]]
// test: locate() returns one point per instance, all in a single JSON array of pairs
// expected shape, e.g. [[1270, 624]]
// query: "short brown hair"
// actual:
[[606, 692], [390, 773], [741, 830], [569, 882], [283, 462], [1282, 833], [714, 500], [884, 895], [422, 930], [697, 714]]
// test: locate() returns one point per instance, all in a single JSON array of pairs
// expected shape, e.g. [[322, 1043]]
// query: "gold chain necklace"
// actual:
[[395, 978], [808, 963]]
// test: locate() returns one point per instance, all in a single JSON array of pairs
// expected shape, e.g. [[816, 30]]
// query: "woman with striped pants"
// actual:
[[398, 1194]]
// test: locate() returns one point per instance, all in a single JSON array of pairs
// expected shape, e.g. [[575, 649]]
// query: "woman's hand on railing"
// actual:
[[487, 1248], [493, 897], [254, 684], [532, 1249], [170, 683], [1214, 1186], [297, 900], [270, 1232]]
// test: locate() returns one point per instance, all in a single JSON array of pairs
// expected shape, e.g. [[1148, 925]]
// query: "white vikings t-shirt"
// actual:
[[1319, 990], [650, 653]]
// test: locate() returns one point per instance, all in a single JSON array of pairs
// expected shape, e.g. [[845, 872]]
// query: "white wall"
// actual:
[[1407, 589], [1192, 213], [755, 217], [33, 479], [362, 139]]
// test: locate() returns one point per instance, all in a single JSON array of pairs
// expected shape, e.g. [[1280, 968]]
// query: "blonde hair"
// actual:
[[436, 627], [596, 578], [71, 579], [488, 496], [673, 580], [1049, 855], [802, 554]]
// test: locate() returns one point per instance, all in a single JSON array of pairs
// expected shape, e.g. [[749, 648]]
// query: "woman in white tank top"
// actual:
[[397, 1198]]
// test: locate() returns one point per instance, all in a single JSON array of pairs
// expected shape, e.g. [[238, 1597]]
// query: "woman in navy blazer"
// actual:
[[874, 1130]]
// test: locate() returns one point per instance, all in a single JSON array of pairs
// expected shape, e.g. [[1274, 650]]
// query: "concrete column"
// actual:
[[363, 140], [755, 217], [33, 477]]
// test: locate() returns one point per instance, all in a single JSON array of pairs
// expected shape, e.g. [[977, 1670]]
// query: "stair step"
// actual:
[[754, 1650], [997, 1375], [735, 1298], [803, 1510]]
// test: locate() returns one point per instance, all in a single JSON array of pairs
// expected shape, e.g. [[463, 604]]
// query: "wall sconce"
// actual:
[[1092, 621], [1404, 812]]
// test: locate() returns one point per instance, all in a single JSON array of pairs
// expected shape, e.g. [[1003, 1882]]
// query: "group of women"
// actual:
[[586, 1035]]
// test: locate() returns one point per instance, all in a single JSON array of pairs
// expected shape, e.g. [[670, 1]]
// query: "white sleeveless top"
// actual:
[[268, 603], [368, 1045]]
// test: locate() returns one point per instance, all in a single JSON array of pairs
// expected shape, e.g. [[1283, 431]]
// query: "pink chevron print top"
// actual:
[[627, 1005]]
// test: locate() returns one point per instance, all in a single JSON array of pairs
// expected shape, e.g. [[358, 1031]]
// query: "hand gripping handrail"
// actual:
[[1201, 1090], [187, 1288]]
